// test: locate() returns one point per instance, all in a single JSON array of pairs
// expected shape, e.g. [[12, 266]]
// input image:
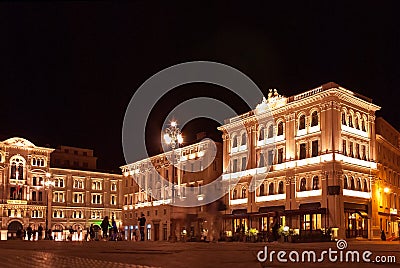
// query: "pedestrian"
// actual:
[[79, 233], [114, 229], [383, 236], [29, 231], [105, 224], [275, 227], [91, 232], [40, 232], [49, 236], [142, 224]]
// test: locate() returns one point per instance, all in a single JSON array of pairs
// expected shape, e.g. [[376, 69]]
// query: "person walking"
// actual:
[[114, 229], [105, 224], [40, 232], [142, 224], [29, 232], [91, 232]]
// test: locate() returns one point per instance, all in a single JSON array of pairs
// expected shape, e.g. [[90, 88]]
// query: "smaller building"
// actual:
[[73, 158], [153, 184]]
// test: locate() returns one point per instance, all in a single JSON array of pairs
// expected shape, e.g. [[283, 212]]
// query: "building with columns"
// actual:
[[309, 158], [148, 189], [35, 194]]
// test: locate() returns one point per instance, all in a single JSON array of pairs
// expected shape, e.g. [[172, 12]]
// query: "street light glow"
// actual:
[[173, 124], [386, 189]]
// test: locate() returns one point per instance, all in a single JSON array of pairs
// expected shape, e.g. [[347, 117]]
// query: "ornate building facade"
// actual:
[[309, 158], [35, 194], [161, 184]]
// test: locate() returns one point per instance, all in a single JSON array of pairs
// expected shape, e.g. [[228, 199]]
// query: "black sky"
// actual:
[[68, 70]]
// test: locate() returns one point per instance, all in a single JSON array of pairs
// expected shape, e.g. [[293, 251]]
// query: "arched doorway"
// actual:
[[15, 230]]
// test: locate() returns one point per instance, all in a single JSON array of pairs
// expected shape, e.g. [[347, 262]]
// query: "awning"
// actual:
[[235, 216], [304, 211], [272, 209]]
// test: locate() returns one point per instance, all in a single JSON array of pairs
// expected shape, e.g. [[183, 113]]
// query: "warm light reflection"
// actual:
[[386, 190]]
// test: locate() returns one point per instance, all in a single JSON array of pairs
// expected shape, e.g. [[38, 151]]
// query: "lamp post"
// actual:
[[47, 184], [173, 137]]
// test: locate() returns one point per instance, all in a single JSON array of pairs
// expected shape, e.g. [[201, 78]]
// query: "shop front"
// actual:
[[356, 220]]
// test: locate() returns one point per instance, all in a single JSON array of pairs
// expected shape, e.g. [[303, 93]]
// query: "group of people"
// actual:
[[30, 234], [109, 230]]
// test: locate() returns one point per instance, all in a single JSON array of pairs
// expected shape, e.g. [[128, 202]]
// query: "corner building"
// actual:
[[313, 160], [73, 199]]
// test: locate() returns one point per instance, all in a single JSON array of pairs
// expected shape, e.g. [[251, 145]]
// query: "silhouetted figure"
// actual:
[[40, 232], [29, 232], [142, 224], [383, 236], [105, 224], [275, 227]]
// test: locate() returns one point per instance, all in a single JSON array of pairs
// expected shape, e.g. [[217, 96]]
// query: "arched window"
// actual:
[[244, 191], [359, 184], [280, 129], [352, 185], [261, 134], [344, 118], [363, 125], [350, 121], [244, 140], [234, 195], [271, 188], [302, 122], [303, 186], [262, 190], [356, 123], [34, 196], [270, 131], [315, 183], [17, 167], [261, 162], [365, 186], [345, 184], [280, 188], [34, 161], [234, 142], [314, 119]]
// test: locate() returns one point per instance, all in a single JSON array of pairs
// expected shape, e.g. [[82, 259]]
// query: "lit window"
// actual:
[[113, 200], [315, 183], [96, 198], [344, 118], [261, 134], [262, 190], [59, 197], [280, 129], [303, 184], [303, 151], [314, 119], [271, 189], [244, 140], [281, 188], [96, 185], [302, 122], [244, 191], [270, 131]]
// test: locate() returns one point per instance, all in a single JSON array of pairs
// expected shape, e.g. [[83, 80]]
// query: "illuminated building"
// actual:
[[387, 186], [313, 159], [33, 193], [195, 167]]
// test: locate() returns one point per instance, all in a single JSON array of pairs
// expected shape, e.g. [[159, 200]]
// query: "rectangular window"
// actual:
[[78, 198], [314, 148], [344, 147], [270, 157], [96, 185], [59, 197], [40, 196], [244, 162], [351, 153], [113, 200], [96, 199], [280, 155], [303, 151], [235, 165], [125, 200], [113, 186]]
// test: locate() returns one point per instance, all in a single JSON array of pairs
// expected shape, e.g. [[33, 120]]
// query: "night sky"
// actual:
[[69, 70]]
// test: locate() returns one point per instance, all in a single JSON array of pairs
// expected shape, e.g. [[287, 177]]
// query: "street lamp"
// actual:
[[173, 137], [47, 184]]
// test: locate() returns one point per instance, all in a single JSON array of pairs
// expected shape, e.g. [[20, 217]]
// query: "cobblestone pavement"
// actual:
[[163, 254]]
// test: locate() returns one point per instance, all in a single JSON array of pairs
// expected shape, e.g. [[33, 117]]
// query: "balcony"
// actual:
[[310, 193], [273, 197], [354, 131], [353, 193], [238, 201]]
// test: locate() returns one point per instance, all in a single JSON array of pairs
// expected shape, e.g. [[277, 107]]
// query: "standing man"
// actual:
[[142, 224], [40, 232]]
